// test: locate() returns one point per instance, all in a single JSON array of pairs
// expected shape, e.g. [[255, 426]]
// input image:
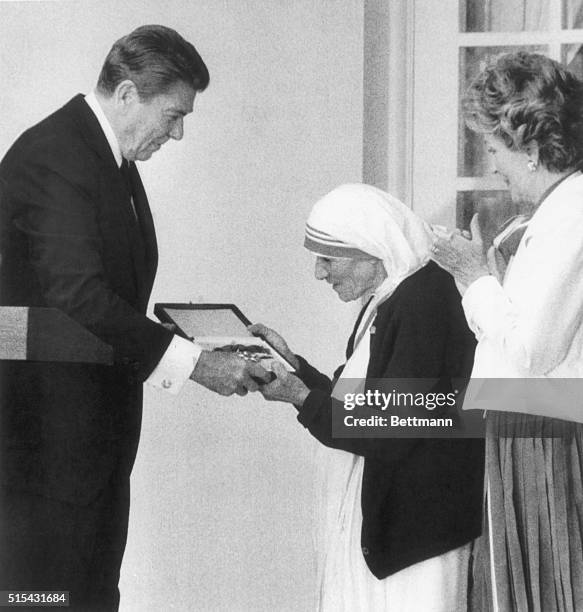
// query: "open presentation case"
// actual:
[[218, 327]]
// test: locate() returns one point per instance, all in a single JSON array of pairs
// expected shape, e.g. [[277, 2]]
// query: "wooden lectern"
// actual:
[[47, 334]]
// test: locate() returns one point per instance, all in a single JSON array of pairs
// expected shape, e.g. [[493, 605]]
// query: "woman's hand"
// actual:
[[463, 258], [276, 341], [285, 388]]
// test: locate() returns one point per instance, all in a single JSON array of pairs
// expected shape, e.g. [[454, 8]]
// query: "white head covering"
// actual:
[[360, 221]]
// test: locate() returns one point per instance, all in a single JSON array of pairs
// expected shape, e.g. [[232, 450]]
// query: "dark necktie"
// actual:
[[126, 174]]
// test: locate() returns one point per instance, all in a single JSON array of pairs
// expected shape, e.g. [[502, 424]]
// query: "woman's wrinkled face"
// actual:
[[350, 278], [512, 166]]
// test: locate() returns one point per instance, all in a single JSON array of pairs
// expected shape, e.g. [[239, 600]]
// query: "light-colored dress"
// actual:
[[531, 559], [353, 221], [346, 584]]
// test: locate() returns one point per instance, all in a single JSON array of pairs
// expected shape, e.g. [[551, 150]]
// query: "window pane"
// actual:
[[572, 57], [572, 14], [505, 15], [472, 156], [493, 208]]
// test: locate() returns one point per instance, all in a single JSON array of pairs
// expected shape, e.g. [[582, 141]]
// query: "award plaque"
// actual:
[[219, 327]]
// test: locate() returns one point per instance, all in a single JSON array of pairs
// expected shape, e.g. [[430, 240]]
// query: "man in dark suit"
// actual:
[[77, 235]]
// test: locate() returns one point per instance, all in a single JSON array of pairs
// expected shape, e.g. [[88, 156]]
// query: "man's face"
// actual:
[[148, 124]]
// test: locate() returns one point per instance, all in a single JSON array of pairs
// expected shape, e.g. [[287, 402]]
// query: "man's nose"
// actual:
[[177, 131]]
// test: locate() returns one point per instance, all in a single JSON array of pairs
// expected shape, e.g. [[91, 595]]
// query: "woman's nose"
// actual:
[[320, 271]]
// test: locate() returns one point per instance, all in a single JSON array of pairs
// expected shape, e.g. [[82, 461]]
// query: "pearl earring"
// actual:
[[531, 165]]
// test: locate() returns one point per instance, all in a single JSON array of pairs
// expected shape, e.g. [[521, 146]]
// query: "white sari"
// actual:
[[364, 218]]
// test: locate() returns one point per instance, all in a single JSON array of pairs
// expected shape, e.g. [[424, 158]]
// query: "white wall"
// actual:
[[388, 92], [222, 504]]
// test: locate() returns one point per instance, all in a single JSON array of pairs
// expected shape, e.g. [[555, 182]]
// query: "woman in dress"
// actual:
[[399, 515], [528, 319]]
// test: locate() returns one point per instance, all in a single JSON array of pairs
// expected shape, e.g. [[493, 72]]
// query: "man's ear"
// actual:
[[126, 94]]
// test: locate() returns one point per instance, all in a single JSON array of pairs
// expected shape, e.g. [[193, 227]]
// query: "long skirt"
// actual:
[[530, 558], [345, 582]]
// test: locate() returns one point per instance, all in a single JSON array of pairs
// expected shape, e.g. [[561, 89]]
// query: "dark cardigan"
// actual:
[[420, 497]]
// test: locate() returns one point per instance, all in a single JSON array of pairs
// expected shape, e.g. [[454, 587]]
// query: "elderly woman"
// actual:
[[400, 513], [528, 319]]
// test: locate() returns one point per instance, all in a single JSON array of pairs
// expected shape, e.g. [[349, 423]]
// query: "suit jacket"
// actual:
[[70, 240], [420, 497]]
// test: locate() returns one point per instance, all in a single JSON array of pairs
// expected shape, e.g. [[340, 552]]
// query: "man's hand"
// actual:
[[227, 373], [275, 340], [285, 388]]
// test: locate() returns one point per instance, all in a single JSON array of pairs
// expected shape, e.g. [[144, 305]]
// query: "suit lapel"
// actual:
[[141, 236], [91, 131], [135, 240], [147, 232]]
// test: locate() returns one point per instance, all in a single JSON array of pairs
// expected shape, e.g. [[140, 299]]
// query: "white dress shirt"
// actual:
[[180, 358]]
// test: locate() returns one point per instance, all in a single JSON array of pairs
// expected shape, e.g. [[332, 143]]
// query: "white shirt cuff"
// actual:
[[485, 305], [176, 366]]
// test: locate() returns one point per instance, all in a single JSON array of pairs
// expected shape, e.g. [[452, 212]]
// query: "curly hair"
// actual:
[[523, 98]]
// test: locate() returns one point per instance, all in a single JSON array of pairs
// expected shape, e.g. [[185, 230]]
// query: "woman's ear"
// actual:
[[532, 152]]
